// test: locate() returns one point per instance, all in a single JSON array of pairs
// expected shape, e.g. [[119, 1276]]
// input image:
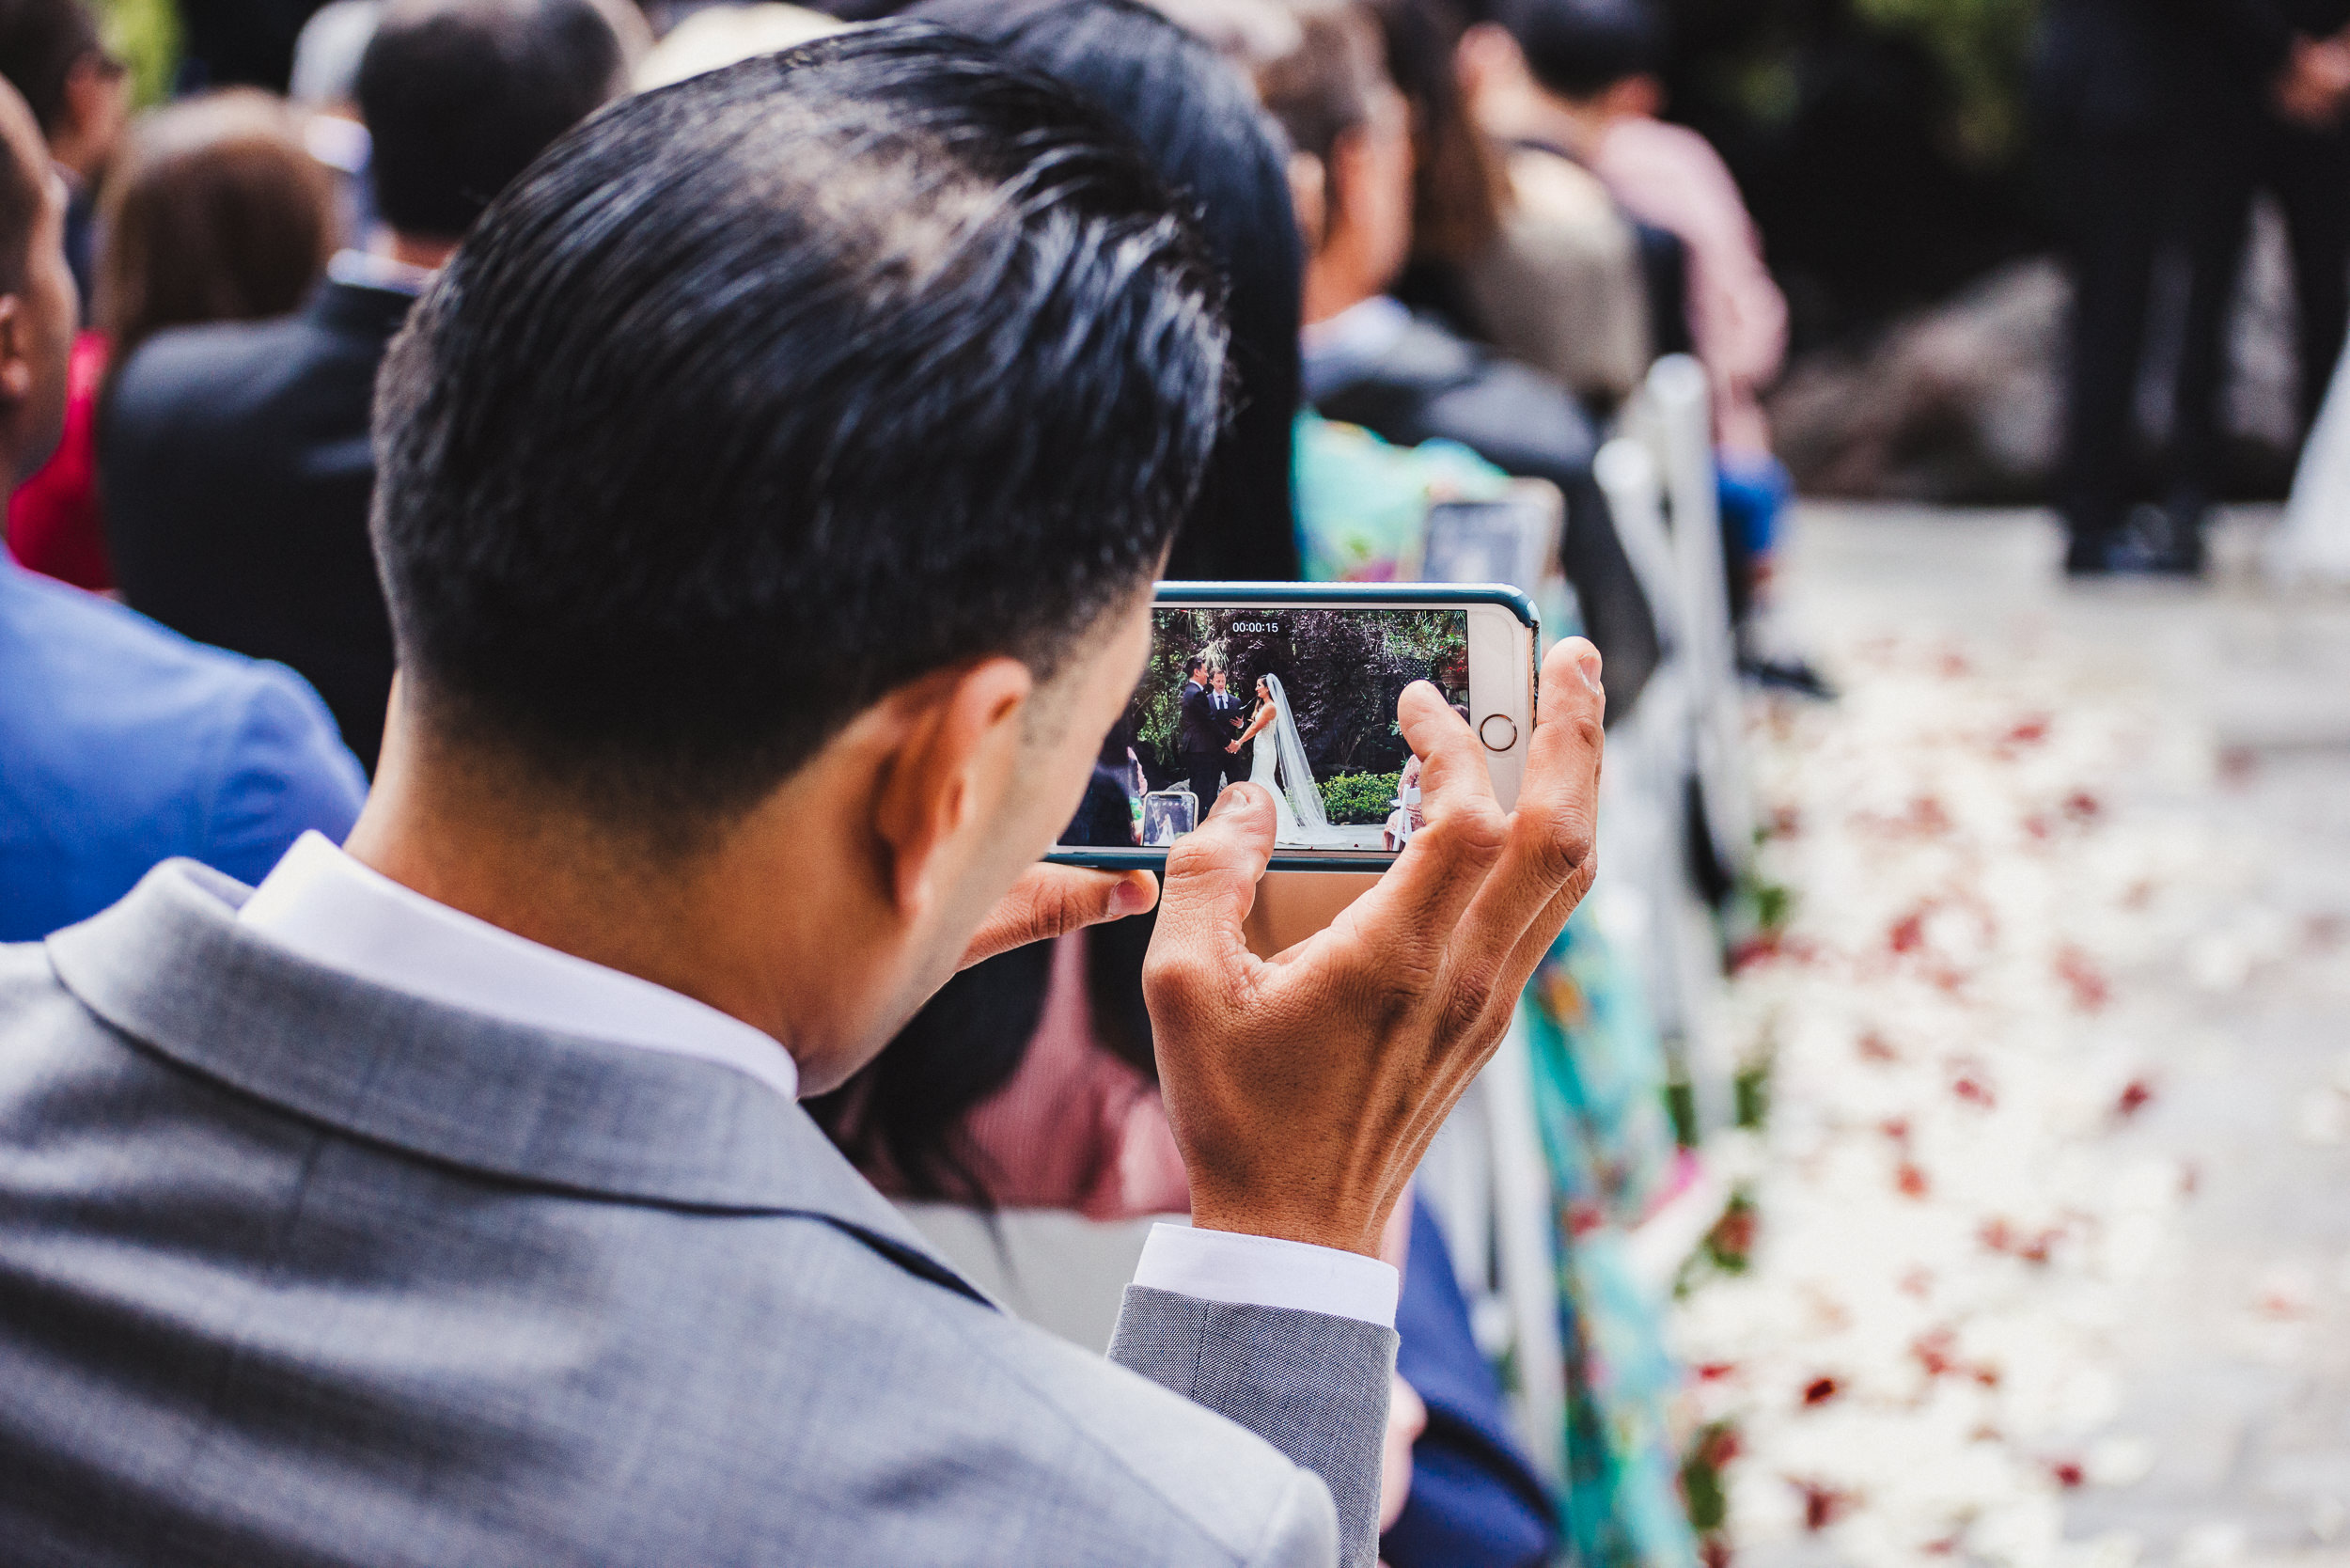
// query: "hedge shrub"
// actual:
[[1360, 799]]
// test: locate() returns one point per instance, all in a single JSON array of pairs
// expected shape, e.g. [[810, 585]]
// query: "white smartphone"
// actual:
[[1294, 685]]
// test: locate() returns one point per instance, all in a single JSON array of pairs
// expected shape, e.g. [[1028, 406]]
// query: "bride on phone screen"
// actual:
[[1279, 764]]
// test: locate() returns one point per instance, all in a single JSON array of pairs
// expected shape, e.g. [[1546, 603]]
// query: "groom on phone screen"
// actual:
[[1205, 737]]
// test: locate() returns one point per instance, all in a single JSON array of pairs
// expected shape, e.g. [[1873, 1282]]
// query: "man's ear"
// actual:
[[960, 742], [16, 369]]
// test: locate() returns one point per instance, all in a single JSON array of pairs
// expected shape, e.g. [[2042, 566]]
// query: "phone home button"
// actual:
[[1499, 732]]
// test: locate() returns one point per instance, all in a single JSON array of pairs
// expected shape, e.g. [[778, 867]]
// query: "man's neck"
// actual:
[[472, 832]]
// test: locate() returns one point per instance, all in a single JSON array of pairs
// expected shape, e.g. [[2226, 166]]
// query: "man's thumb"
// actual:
[[1053, 901], [1211, 871]]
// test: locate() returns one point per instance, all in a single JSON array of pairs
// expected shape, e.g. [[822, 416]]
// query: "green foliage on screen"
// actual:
[[1361, 799]]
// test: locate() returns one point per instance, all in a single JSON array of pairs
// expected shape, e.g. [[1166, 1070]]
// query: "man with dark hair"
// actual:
[[49, 51], [120, 744], [772, 487], [236, 464], [1584, 49], [1204, 734]]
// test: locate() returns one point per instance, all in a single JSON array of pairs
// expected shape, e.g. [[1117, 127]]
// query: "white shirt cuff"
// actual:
[[1265, 1271]]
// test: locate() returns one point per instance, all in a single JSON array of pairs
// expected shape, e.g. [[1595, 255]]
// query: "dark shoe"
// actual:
[[2153, 543], [1786, 675], [2178, 536], [2092, 555]]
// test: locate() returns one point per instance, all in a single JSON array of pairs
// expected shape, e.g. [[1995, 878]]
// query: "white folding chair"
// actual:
[[1672, 415]]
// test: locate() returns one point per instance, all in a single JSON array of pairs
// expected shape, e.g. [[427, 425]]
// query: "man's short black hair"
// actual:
[[40, 43], [1579, 49], [459, 96], [1194, 663], [765, 393]]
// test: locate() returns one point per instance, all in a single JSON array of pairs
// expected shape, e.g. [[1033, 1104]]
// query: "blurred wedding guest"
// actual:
[[215, 213], [326, 56], [1026, 1082], [325, 91], [1475, 1499], [1589, 87], [447, 1197], [1203, 133], [124, 744], [2156, 122], [1371, 361], [234, 457], [1522, 248], [49, 51], [1593, 66]]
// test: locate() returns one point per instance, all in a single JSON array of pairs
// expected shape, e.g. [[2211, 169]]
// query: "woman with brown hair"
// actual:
[[215, 213], [1514, 244]]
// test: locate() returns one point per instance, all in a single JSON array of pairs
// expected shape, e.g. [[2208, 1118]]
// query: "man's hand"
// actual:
[[1302, 1089], [1053, 901], [1232, 745]]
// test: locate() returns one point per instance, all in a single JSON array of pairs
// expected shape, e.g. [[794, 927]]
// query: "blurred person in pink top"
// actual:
[[1580, 76]]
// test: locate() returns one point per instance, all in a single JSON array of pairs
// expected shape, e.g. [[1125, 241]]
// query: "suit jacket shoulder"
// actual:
[[416, 1287]]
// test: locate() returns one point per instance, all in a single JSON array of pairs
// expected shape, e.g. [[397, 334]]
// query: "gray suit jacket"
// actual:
[[295, 1269]]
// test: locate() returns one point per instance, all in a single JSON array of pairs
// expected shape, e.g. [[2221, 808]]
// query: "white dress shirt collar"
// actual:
[[365, 269], [325, 907]]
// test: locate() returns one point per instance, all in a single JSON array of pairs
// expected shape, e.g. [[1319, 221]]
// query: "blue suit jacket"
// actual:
[[122, 745]]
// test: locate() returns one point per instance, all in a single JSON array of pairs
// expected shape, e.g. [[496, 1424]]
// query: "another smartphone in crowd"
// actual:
[[1513, 539], [1294, 686]]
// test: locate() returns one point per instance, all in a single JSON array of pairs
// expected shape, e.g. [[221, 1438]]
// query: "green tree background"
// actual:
[[144, 36]]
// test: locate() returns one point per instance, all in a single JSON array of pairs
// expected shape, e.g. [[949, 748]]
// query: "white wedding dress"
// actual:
[[1279, 764], [1266, 769]]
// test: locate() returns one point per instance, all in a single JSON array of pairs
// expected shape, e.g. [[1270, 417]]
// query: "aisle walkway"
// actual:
[[2162, 1375]]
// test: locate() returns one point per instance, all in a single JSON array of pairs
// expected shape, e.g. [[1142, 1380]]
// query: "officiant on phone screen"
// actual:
[[1209, 731]]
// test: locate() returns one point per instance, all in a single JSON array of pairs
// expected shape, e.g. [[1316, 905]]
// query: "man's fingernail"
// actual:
[[1222, 798], [1129, 898], [1590, 664]]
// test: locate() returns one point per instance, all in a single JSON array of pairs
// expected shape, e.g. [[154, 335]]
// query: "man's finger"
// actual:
[[1212, 875], [1053, 901], [1553, 831], [1463, 827]]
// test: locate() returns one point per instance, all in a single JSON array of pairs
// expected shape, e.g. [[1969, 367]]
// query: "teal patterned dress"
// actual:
[[1599, 1090]]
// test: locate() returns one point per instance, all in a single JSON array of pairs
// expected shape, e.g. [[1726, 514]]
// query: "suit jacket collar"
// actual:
[[170, 967], [356, 309]]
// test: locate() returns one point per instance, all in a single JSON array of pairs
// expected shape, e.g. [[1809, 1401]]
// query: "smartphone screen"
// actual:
[[1300, 697]]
